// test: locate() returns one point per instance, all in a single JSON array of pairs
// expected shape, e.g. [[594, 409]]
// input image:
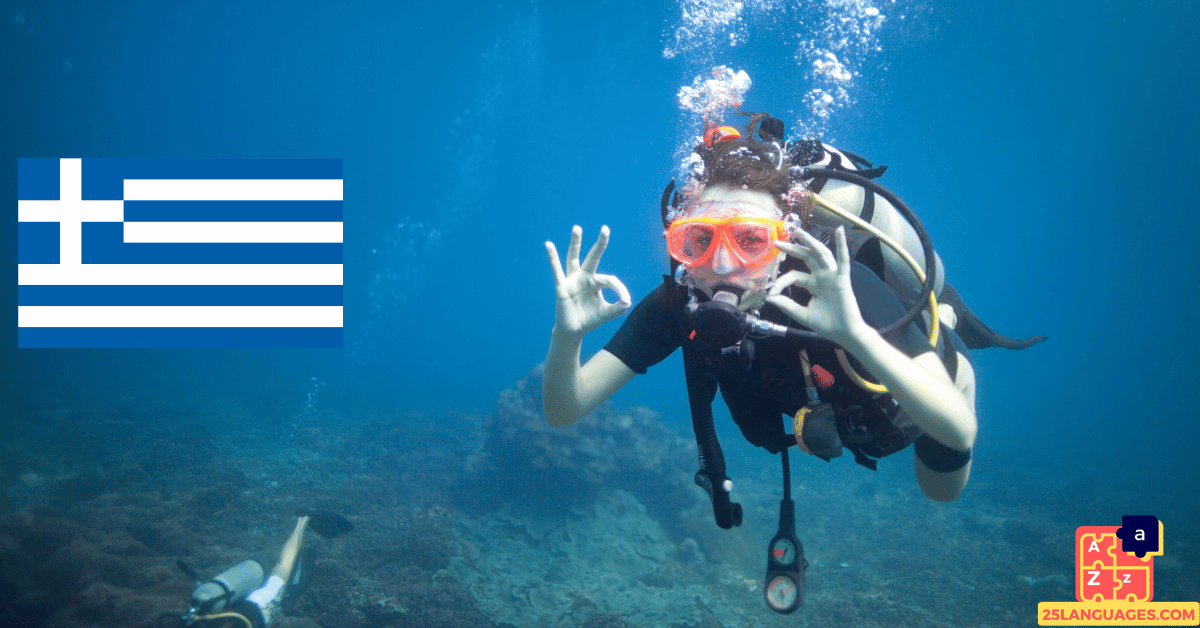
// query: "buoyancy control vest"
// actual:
[[871, 426], [760, 389]]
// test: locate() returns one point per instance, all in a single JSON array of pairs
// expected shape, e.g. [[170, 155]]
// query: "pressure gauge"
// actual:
[[783, 596], [783, 552]]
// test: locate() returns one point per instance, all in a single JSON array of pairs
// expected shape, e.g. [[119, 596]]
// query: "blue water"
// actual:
[[1051, 149]]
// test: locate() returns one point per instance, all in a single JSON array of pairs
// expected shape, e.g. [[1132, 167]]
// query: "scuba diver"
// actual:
[[788, 313], [242, 595]]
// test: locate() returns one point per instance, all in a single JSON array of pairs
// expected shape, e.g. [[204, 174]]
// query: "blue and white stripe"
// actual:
[[179, 253]]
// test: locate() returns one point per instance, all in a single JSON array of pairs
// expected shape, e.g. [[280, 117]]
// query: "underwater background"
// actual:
[[1050, 149]]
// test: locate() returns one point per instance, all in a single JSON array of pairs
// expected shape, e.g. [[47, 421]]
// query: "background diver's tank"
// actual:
[[228, 587]]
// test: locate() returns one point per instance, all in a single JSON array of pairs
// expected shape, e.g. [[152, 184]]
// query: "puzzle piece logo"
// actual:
[[1105, 572], [1114, 580], [1141, 535]]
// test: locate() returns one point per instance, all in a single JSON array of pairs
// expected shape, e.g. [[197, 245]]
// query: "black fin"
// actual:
[[974, 332], [327, 524], [301, 575]]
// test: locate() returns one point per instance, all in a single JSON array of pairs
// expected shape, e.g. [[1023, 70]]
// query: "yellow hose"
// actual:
[[227, 615], [934, 322]]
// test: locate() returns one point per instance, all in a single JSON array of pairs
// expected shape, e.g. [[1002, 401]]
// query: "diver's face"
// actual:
[[724, 268]]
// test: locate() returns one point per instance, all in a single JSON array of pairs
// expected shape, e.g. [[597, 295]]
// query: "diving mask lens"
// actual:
[[692, 241]]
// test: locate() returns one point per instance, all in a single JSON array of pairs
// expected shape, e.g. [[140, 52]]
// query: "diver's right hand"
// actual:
[[581, 306]]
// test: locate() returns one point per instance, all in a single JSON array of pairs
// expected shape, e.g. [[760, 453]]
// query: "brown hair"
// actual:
[[750, 164]]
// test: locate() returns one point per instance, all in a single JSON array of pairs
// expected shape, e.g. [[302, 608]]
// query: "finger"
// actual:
[[555, 264], [593, 257], [822, 250], [614, 284], [817, 247], [613, 310], [797, 312], [843, 252], [573, 249], [799, 251], [789, 279]]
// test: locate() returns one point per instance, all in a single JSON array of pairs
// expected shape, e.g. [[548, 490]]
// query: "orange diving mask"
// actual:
[[750, 239]]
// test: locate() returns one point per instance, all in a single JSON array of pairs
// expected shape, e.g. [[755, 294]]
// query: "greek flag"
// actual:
[[179, 253]]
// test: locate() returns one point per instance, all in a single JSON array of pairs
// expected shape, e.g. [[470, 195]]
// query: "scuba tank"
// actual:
[[227, 588], [871, 207]]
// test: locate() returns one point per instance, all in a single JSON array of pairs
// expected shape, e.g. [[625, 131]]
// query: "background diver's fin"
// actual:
[[301, 574], [327, 524]]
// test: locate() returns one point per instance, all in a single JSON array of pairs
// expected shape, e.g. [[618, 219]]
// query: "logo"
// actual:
[[1114, 580], [179, 253]]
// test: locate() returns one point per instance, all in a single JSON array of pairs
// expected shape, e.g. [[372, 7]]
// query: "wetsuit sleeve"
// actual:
[[649, 334], [880, 307]]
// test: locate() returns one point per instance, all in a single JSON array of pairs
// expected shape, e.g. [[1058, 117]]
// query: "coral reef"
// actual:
[[609, 559], [58, 572], [501, 521], [109, 504], [524, 460]]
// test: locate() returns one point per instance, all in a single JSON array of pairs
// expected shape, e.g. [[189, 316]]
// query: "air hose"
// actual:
[[930, 272], [928, 275], [226, 615]]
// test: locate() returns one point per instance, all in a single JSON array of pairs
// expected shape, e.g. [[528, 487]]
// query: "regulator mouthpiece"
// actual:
[[717, 323]]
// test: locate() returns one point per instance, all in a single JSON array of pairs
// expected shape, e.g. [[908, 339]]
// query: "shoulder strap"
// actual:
[[864, 167], [813, 152]]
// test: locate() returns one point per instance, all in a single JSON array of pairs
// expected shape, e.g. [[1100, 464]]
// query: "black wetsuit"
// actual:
[[774, 385]]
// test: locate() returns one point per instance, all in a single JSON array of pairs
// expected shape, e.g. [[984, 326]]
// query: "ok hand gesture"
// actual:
[[833, 310], [581, 306]]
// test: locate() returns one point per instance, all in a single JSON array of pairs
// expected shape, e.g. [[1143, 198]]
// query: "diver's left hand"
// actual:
[[833, 310]]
